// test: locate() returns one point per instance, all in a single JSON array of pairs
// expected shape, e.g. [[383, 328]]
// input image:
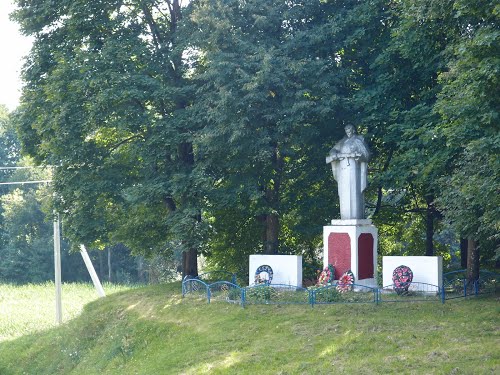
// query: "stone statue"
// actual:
[[349, 159]]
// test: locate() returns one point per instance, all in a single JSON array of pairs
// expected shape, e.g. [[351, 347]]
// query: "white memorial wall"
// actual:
[[428, 270], [284, 269]]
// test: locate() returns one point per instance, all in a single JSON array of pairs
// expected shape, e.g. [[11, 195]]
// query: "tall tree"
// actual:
[[9, 144], [433, 100], [469, 105], [277, 80], [398, 101], [9, 154], [104, 99]]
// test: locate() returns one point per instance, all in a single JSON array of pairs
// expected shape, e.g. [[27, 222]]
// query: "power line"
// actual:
[[13, 168], [25, 182]]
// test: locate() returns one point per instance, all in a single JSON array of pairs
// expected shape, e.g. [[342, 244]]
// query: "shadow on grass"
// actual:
[[152, 331]]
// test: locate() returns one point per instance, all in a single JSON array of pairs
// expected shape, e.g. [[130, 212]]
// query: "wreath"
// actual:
[[346, 282], [402, 277], [263, 275], [326, 276]]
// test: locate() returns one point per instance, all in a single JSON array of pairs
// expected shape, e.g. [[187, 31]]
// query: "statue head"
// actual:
[[350, 130]]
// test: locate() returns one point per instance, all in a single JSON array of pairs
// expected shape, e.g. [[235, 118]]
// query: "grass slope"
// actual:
[[152, 330], [30, 308]]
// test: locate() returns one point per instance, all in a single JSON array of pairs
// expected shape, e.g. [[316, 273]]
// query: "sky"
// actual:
[[13, 47]]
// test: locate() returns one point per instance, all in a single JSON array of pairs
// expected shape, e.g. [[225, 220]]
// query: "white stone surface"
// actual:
[[351, 222], [349, 161], [287, 269], [425, 269]]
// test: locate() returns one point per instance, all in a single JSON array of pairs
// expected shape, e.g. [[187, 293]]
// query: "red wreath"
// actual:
[[402, 276], [346, 282]]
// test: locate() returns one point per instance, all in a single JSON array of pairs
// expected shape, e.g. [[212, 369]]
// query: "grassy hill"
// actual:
[[152, 330]]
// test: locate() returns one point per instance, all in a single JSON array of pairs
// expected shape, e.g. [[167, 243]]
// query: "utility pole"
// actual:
[[57, 267], [57, 250]]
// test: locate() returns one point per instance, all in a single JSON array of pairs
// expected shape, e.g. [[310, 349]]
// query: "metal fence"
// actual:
[[218, 275], [455, 285], [412, 291], [276, 294]]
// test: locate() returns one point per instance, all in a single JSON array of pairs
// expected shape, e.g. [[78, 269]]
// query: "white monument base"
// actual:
[[284, 269], [428, 270], [352, 245]]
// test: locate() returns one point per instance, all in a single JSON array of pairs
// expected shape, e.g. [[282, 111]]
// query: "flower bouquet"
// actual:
[[326, 276]]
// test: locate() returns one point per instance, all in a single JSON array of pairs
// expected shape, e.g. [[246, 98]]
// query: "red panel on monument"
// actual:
[[365, 256], [339, 252]]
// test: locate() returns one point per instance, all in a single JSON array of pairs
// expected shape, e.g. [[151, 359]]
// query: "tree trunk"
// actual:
[[379, 190], [101, 265], [272, 193], [463, 252], [429, 226], [189, 257], [272, 234], [261, 219], [472, 260], [109, 265], [140, 269], [190, 263]]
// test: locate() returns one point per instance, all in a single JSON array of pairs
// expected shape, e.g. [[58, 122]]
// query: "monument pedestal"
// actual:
[[352, 245]]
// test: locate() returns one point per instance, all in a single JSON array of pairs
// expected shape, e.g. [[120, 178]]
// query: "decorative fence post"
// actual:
[[312, 297]]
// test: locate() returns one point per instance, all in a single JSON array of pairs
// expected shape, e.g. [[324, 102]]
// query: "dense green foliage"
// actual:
[[26, 230], [153, 331], [203, 127]]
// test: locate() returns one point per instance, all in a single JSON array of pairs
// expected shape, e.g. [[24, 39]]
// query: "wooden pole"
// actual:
[[93, 274]]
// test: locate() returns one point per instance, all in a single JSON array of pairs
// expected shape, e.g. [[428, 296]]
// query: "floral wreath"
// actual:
[[346, 282], [326, 276], [261, 273], [402, 277]]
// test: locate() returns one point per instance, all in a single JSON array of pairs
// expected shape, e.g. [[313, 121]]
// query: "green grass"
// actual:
[[152, 330], [30, 308]]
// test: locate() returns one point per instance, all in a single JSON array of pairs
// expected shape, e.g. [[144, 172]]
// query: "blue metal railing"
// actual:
[[276, 294], [414, 291], [456, 284], [218, 275], [227, 291], [343, 293]]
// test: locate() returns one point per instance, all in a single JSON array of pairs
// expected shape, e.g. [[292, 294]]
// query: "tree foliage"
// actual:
[[104, 102], [468, 106], [204, 127]]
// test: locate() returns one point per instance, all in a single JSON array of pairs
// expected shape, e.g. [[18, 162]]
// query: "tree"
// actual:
[[205, 127], [398, 101], [433, 100], [105, 94], [9, 144], [26, 253], [9, 149], [276, 85], [468, 105]]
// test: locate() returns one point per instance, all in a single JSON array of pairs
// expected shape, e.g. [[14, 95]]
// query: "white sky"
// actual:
[[13, 47]]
